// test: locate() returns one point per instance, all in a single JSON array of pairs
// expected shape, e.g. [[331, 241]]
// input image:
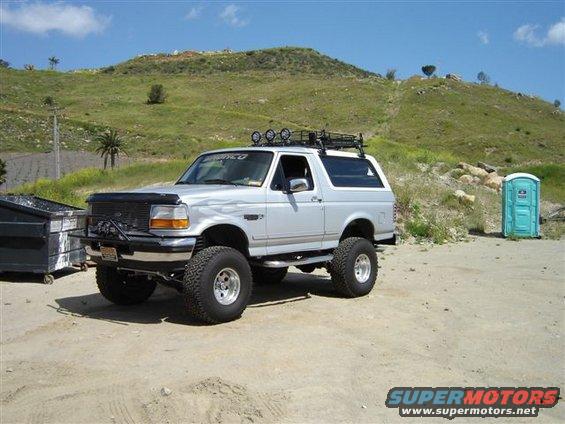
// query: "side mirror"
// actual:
[[296, 185]]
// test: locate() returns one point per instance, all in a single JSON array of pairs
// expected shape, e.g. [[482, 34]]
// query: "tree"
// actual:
[[49, 101], [111, 145], [157, 94], [483, 78], [557, 103], [29, 67], [3, 172], [428, 70], [53, 62], [4, 64], [391, 74]]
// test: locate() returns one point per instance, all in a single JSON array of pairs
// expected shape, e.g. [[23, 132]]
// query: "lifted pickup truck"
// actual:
[[242, 216]]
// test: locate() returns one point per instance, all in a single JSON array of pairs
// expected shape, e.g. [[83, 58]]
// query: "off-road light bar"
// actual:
[[270, 135], [322, 140], [256, 137], [285, 134]]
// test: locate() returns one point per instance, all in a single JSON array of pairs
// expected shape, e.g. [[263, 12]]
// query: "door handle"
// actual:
[[316, 199]]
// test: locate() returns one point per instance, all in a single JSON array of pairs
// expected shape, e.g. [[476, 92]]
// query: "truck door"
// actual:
[[295, 221]]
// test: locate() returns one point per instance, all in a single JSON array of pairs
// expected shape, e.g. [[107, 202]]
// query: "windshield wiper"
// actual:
[[220, 181]]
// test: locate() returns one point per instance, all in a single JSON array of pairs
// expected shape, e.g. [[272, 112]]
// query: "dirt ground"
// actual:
[[488, 312]]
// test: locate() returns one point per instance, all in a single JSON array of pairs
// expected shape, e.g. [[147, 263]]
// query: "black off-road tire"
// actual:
[[264, 276], [199, 278], [123, 289], [342, 267]]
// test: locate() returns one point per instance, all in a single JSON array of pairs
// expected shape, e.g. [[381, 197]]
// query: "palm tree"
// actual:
[[53, 62], [111, 144]]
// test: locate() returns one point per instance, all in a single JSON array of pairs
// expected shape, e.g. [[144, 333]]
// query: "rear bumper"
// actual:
[[144, 253]]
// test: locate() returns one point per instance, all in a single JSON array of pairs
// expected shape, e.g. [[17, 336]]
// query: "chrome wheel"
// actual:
[[362, 268], [227, 286]]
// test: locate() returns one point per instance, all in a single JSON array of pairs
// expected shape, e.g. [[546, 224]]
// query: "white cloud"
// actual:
[[42, 18], [528, 34], [556, 33], [230, 15], [194, 13], [483, 37]]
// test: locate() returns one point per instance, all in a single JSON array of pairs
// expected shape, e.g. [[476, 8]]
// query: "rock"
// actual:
[[494, 181], [466, 179], [453, 77], [9, 370], [464, 197], [165, 391], [486, 167], [473, 170], [459, 194], [468, 199]]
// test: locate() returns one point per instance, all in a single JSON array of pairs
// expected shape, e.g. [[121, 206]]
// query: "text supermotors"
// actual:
[[451, 402]]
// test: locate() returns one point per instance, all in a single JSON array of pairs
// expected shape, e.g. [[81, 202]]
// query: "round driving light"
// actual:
[[256, 137], [285, 134], [270, 135]]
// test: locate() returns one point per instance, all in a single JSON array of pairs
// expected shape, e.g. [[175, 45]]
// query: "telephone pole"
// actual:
[[56, 145]]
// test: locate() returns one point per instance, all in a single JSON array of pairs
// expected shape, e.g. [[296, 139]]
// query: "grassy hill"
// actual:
[[217, 100], [290, 60]]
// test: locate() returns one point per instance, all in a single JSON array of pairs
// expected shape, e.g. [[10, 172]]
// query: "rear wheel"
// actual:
[[264, 276], [217, 284], [121, 288], [354, 267]]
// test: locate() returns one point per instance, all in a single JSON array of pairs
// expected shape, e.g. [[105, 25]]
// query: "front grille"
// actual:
[[133, 216]]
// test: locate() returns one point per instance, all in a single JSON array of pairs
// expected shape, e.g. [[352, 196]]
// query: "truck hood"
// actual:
[[189, 194]]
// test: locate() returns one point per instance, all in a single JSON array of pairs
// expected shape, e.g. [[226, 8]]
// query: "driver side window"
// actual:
[[289, 167]]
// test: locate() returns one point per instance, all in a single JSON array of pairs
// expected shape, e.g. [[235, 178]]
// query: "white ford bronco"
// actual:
[[242, 216]]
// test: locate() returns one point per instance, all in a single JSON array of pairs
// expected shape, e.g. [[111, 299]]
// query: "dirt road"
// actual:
[[485, 313]]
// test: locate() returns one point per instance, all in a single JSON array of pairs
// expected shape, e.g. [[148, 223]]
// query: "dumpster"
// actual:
[[35, 235], [521, 205]]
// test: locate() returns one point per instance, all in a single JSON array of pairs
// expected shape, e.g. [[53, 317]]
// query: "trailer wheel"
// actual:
[[123, 289], [48, 279], [217, 284], [354, 267], [264, 276]]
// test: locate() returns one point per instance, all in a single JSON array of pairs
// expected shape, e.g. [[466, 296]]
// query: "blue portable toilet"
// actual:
[[521, 205]]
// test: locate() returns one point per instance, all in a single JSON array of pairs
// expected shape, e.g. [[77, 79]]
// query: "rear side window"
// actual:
[[351, 172]]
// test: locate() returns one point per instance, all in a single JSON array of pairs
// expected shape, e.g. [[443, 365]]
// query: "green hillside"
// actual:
[[291, 60], [203, 110]]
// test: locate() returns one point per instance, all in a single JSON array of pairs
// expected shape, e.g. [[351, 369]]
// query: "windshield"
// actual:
[[234, 168]]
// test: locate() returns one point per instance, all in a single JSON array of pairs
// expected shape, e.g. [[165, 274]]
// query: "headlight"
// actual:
[[166, 217]]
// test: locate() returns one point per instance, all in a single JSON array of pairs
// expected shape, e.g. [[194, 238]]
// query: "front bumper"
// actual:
[[143, 253]]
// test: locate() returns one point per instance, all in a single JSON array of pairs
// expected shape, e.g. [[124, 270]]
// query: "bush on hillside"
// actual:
[[3, 172], [483, 78], [156, 94], [428, 70], [391, 74], [556, 103], [4, 64]]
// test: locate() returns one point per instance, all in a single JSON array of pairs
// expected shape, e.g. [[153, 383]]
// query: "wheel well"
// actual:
[[226, 235], [359, 228]]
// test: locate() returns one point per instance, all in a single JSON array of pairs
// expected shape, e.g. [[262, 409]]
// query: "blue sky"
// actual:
[[520, 45]]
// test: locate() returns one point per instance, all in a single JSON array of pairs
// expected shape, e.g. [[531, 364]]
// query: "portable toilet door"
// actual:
[[521, 205]]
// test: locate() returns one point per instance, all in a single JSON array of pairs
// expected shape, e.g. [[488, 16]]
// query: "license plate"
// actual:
[[109, 253]]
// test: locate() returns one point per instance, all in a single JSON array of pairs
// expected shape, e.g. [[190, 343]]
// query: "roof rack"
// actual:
[[322, 140]]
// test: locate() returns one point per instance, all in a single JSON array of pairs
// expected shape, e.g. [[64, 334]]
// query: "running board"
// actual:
[[304, 261]]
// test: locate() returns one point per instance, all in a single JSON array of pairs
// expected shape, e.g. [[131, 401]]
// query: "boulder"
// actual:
[[466, 179], [473, 170], [486, 167], [494, 181], [464, 197], [453, 77]]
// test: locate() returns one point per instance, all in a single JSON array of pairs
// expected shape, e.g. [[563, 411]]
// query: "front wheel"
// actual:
[[354, 267], [217, 284], [121, 288]]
